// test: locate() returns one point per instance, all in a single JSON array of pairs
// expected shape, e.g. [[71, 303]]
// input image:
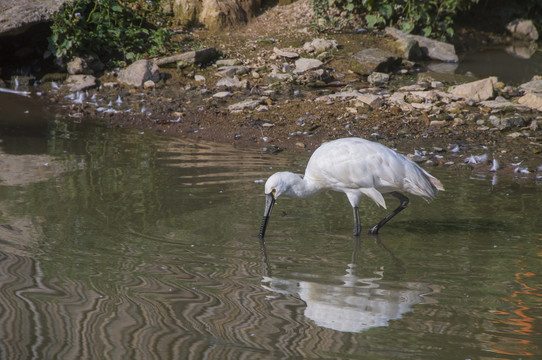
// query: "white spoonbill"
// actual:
[[355, 167]]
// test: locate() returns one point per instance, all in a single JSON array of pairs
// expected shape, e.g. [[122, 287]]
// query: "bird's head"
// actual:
[[281, 183], [277, 184]]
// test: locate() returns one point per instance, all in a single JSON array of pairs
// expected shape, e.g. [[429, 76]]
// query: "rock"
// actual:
[[249, 104], [477, 90], [370, 60], [378, 78], [532, 100], [227, 62], [320, 45], [373, 101], [343, 95], [16, 16], [80, 82], [230, 71], [230, 83], [532, 86], [409, 48], [285, 53], [198, 57], [314, 77], [78, 65], [501, 103], [505, 123], [523, 29], [278, 78], [199, 78], [139, 72], [149, 84], [436, 50], [214, 14], [220, 14], [222, 94], [304, 64]]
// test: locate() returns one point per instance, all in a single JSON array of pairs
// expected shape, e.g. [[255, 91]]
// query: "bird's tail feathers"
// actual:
[[427, 190], [436, 183]]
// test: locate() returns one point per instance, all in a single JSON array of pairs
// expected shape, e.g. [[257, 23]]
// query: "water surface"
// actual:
[[120, 244]]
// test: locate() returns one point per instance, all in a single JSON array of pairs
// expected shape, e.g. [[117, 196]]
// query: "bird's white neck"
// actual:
[[301, 187]]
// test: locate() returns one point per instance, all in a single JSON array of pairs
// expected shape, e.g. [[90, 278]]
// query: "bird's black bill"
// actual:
[[269, 202]]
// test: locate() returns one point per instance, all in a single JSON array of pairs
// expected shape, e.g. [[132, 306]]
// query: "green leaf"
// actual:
[[427, 31], [371, 20], [116, 8], [386, 11], [407, 27]]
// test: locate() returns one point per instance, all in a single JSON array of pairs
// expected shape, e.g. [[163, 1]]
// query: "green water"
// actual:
[[123, 245]]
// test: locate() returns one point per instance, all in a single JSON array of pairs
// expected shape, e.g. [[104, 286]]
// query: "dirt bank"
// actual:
[[292, 119]]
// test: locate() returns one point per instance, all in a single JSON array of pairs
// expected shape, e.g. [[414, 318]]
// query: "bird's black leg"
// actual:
[[357, 224], [403, 204]]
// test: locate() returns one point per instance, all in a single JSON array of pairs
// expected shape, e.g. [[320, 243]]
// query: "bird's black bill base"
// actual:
[[269, 202], [402, 205]]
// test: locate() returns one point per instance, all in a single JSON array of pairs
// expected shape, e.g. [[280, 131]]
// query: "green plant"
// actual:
[[118, 32], [429, 17]]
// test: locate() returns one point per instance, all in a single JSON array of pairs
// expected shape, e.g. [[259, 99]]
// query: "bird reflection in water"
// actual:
[[356, 305]]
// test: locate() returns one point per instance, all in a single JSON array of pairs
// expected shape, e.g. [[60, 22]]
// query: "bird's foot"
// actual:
[[373, 230]]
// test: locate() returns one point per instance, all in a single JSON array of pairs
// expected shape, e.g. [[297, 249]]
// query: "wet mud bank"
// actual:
[[279, 85]]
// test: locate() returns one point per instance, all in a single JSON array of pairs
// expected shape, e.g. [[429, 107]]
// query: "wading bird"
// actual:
[[355, 167]]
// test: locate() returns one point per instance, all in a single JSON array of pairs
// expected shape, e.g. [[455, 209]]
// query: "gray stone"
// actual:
[[370, 60], [378, 78], [477, 90], [149, 84], [409, 48], [314, 77], [501, 103], [78, 65], [532, 86], [230, 83], [80, 82], [285, 53], [222, 94], [230, 71], [320, 45], [137, 73], [506, 123], [373, 101], [433, 49], [198, 57], [304, 64], [228, 62], [523, 29], [278, 77], [16, 16], [249, 104], [532, 100]]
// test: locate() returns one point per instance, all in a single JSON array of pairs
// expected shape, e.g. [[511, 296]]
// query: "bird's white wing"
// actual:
[[355, 163]]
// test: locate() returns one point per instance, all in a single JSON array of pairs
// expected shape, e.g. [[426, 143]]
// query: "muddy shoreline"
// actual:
[[292, 118]]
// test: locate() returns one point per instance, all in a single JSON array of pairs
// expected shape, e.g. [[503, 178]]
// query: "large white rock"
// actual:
[[532, 100], [304, 64], [479, 90], [139, 72], [523, 28]]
